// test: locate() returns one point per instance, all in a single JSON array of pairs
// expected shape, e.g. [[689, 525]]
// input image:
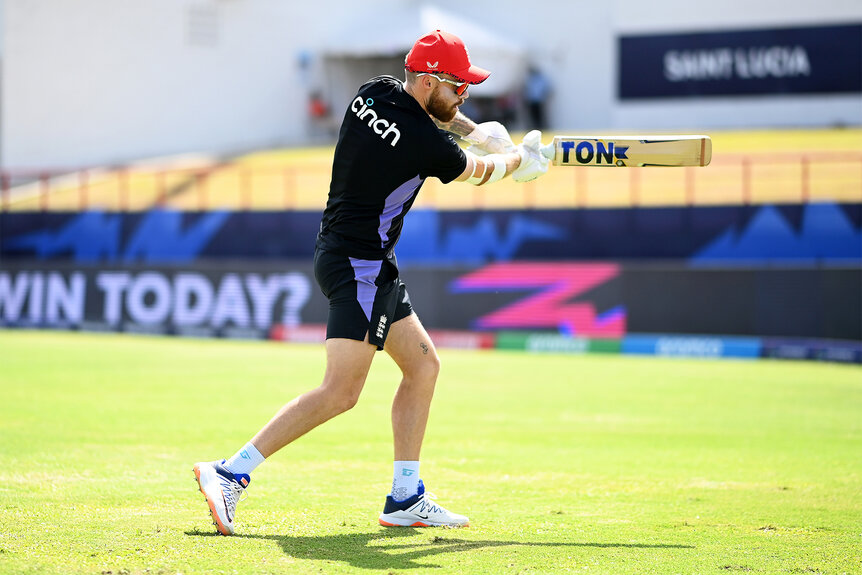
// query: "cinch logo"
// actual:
[[585, 152], [363, 110]]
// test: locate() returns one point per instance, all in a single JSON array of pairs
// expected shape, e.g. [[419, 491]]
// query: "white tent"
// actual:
[[363, 49]]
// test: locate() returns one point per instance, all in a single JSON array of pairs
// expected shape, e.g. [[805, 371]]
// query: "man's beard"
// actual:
[[440, 109]]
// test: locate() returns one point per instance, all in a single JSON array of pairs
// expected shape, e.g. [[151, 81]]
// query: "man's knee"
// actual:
[[346, 402], [347, 365], [434, 364], [427, 369], [341, 396]]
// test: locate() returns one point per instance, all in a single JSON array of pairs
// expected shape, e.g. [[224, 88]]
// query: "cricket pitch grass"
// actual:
[[587, 464]]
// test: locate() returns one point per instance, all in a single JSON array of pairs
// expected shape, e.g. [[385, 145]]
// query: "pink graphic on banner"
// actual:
[[551, 307]]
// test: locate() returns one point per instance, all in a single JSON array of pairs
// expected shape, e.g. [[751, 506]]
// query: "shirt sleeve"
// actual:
[[445, 159]]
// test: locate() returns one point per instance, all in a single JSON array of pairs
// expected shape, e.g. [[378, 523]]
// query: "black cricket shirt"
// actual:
[[388, 145]]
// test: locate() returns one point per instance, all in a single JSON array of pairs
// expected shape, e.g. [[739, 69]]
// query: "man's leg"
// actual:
[[347, 365], [411, 348]]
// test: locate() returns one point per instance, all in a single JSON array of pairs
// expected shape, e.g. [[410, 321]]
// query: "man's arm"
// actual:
[[460, 125], [526, 163], [488, 137], [489, 169]]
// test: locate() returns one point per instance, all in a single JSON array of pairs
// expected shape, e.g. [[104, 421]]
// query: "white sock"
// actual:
[[245, 460], [405, 481]]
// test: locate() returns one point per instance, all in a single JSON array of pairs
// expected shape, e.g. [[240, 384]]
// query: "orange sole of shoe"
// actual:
[[221, 528]]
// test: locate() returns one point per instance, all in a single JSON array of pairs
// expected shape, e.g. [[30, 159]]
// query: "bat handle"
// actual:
[[548, 151]]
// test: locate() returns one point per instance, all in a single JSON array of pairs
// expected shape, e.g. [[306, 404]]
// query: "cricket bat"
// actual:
[[628, 151]]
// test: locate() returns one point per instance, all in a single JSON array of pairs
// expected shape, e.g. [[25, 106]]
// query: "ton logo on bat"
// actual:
[[585, 152]]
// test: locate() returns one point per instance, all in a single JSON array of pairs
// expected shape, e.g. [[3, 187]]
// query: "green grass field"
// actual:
[[588, 464]]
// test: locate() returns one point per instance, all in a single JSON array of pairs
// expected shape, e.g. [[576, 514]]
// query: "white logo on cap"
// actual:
[[434, 65]]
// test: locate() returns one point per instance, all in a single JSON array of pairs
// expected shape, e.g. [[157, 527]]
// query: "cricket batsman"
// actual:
[[395, 135]]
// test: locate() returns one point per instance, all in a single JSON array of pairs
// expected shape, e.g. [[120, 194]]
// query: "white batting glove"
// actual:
[[533, 162], [490, 138]]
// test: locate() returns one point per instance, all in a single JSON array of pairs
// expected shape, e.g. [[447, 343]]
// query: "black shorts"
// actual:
[[365, 296]]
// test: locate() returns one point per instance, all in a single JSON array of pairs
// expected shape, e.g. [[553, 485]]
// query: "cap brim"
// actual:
[[473, 75]]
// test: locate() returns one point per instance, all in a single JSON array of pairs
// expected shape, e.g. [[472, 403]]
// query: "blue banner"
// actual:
[[704, 236], [810, 60], [817, 349], [692, 346]]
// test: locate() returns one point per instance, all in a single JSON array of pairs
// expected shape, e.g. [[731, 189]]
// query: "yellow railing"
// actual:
[[730, 179], [769, 166]]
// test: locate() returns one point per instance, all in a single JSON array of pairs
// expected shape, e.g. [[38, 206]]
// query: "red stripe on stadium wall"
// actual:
[[461, 339]]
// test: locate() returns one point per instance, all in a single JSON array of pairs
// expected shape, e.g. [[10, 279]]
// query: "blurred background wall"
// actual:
[[105, 81], [163, 166]]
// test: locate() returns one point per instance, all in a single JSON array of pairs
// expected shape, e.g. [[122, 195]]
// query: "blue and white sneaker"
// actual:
[[419, 511], [222, 490]]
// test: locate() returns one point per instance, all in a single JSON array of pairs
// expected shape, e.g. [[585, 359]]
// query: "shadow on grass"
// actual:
[[389, 548]]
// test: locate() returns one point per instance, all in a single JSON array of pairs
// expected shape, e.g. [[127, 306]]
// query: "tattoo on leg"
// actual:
[[424, 348]]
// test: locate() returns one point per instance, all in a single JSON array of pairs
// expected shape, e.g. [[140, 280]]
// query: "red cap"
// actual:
[[444, 53]]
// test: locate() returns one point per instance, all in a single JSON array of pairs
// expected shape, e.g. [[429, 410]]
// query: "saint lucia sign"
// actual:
[[811, 60]]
